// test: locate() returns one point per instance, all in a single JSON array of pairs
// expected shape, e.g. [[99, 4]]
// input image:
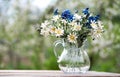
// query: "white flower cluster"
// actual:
[[97, 29], [59, 27], [74, 28]]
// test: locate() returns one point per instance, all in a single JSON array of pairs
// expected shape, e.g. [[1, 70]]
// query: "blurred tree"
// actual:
[[21, 47]]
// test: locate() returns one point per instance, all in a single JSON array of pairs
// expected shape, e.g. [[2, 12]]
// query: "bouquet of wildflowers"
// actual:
[[72, 27]]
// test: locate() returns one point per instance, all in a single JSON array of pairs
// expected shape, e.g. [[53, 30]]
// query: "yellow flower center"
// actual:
[[72, 37], [58, 31], [99, 31], [93, 24], [53, 29], [78, 27]]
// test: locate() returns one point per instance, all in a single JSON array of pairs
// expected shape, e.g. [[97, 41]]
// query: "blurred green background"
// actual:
[[21, 46]]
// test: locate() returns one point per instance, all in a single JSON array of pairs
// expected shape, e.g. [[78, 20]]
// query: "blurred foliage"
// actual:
[[21, 47]]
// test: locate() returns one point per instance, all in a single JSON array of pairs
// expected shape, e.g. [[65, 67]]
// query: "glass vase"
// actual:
[[71, 58]]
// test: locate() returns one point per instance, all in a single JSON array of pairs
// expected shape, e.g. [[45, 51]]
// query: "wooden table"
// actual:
[[52, 73]]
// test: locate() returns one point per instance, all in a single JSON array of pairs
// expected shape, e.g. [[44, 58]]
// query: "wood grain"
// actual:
[[52, 73]]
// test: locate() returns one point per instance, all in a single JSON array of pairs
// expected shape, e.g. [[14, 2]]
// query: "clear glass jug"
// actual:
[[70, 58]]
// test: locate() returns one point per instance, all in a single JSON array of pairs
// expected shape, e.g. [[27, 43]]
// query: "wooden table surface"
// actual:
[[52, 73]]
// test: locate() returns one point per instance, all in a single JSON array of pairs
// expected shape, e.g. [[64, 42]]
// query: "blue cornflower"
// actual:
[[66, 14], [91, 18], [56, 12], [97, 17], [85, 11]]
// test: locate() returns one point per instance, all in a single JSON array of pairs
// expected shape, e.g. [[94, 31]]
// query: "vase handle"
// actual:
[[56, 45]]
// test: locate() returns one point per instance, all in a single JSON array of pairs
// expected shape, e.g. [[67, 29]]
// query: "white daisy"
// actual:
[[59, 32], [100, 25], [94, 25], [97, 33], [77, 17], [52, 30], [63, 21], [77, 27], [45, 32], [44, 25], [55, 18], [72, 38]]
